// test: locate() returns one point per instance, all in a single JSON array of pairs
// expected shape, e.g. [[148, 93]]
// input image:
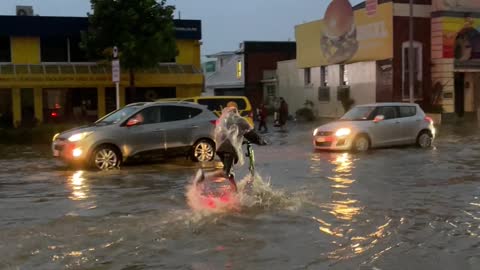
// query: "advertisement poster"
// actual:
[[345, 35], [461, 38]]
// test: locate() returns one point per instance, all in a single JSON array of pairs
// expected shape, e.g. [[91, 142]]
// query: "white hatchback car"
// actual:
[[376, 125]]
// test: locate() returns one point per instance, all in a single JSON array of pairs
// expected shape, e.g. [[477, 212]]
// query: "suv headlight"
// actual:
[[79, 136]]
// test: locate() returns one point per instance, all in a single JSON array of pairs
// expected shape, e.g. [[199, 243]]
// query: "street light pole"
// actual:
[[116, 74], [411, 65]]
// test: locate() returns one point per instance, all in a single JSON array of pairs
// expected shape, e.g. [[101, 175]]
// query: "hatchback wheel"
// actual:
[[105, 158], [360, 144], [424, 139], [203, 150]]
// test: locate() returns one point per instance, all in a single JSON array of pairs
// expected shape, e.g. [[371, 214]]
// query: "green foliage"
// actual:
[[305, 114], [143, 31]]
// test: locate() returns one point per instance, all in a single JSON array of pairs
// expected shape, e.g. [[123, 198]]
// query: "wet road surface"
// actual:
[[399, 208]]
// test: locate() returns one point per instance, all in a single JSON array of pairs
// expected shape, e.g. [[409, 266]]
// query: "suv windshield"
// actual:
[[358, 114], [117, 116]]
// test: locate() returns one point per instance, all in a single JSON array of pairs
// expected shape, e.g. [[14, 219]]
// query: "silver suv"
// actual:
[[140, 130], [376, 125]]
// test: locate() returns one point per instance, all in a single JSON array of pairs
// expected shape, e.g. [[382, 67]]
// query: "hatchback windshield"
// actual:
[[358, 114], [118, 116]]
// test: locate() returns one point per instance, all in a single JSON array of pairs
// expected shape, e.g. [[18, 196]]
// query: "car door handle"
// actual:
[[195, 126], [398, 122]]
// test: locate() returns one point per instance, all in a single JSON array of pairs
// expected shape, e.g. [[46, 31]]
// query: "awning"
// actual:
[[91, 74]]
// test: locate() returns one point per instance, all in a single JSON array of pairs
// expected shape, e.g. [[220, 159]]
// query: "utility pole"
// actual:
[[116, 74], [411, 64]]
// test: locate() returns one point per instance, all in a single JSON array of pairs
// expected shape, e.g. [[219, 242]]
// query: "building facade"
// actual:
[[251, 70], [455, 41], [369, 59], [45, 76]]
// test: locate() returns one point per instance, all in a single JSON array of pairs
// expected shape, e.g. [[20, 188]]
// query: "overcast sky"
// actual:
[[225, 22]]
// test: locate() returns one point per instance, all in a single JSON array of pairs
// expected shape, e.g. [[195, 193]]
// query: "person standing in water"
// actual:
[[262, 118]]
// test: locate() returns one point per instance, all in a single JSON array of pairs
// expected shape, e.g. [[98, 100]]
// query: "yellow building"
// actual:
[[44, 75]]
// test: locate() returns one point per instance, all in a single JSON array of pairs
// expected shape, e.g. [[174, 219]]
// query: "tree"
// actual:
[[142, 30]]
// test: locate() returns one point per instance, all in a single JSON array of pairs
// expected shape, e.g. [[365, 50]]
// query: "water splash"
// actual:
[[253, 195]]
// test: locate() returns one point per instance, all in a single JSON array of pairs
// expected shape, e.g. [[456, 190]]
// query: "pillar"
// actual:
[[16, 107], [38, 103], [101, 105], [122, 96]]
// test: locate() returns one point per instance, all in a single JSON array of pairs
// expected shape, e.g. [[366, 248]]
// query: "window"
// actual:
[[324, 93], [54, 49], [323, 76], [417, 70], [307, 76], [343, 75], [118, 115], [239, 69], [76, 53], [5, 52], [359, 113], [151, 115], [177, 113], [408, 111], [387, 112], [271, 90]]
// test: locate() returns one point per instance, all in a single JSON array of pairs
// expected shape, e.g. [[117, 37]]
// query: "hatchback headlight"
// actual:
[[315, 132], [343, 132], [79, 136]]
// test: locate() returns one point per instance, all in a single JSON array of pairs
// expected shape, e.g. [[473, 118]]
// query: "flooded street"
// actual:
[[398, 208]]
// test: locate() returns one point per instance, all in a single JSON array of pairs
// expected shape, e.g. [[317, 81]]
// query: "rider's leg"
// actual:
[[227, 161], [199, 177]]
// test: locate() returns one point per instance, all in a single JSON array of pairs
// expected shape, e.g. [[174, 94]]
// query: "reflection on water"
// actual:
[[391, 209], [79, 188], [344, 164], [343, 222], [343, 207]]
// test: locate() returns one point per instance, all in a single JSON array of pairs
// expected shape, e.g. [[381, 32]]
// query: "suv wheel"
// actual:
[[360, 144], [424, 139], [105, 158], [203, 150]]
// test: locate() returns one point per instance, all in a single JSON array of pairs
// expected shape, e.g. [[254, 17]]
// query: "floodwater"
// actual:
[[399, 208]]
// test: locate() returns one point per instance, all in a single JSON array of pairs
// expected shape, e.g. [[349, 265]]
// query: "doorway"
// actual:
[[460, 94], [28, 111]]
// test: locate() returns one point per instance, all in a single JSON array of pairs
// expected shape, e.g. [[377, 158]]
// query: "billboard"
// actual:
[[346, 35], [461, 38], [455, 5]]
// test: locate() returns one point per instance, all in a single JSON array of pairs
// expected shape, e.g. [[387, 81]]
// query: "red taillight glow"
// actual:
[[329, 139], [214, 122], [429, 119], [54, 114]]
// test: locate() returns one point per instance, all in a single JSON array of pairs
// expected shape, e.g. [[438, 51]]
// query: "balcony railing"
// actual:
[[88, 68]]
